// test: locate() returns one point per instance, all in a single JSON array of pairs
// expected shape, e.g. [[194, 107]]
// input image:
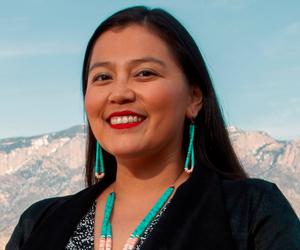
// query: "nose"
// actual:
[[121, 93]]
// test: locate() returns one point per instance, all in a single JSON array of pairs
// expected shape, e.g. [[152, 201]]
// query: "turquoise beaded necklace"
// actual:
[[106, 237]]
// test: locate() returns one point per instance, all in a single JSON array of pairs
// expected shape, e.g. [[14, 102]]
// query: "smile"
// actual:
[[125, 119]]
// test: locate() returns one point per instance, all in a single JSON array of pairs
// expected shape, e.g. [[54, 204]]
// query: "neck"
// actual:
[[148, 178]]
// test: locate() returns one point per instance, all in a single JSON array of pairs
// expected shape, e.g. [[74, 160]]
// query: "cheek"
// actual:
[[169, 101], [88, 104], [93, 103]]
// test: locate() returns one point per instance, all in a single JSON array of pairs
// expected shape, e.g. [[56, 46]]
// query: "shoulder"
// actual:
[[39, 210], [255, 197], [46, 212], [255, 194], [251, 183], [260, 215], [248, 189], [31, 218], [246, 197]]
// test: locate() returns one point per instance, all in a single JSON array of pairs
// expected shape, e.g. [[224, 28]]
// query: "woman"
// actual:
[[152, 113]]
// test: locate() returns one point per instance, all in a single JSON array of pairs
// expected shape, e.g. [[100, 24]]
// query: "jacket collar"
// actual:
[[196, 218]]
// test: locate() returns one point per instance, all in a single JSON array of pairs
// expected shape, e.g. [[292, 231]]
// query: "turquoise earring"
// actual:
[[191, 154], [99, 155]]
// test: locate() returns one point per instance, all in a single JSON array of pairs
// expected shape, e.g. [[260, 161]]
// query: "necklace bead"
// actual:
[[106, 235]]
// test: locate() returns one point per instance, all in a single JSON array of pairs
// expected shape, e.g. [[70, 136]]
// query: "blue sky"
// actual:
[[252, 49]]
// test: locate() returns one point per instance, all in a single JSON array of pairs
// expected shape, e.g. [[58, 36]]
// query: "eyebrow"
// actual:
[[100, 64], [131, 62]]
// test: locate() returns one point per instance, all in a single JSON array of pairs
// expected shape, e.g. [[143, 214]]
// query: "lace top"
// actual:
[[83, 236]]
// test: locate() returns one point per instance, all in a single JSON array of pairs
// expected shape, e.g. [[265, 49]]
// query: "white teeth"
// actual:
[[113, 121], [125, 119]]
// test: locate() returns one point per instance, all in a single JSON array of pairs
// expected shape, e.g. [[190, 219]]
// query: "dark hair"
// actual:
[[212, 144]]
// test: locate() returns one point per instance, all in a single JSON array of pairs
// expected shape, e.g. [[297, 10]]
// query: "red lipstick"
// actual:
[[125, 125]]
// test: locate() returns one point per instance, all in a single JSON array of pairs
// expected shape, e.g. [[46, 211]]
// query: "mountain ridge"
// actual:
[[38, 167]]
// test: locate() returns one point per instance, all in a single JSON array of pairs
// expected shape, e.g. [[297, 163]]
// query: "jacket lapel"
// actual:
[[196, 217], [60, 223]]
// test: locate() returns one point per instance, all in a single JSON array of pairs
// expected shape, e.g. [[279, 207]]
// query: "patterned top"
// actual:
[[83, 236]]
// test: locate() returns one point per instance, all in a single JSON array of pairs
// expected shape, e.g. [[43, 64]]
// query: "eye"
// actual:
[[146, 73], [101, 78]]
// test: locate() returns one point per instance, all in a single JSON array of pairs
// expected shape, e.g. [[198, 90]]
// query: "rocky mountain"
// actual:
[[34, 168], [271, 160]]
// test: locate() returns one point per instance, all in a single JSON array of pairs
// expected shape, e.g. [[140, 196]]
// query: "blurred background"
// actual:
[[251, 47]]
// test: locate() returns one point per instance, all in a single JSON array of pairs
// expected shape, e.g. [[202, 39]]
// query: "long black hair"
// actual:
[[212, 144]]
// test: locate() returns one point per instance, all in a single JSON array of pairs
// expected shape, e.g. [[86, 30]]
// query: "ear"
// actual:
[[195, 104]]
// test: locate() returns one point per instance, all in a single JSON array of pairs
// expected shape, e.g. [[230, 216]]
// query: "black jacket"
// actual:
[[206, 212]]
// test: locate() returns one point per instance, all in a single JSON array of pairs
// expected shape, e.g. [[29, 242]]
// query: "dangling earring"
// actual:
[[99, 155], [191, 153]]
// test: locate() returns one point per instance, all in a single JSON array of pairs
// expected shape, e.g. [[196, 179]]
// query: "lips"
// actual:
[[125, 119]]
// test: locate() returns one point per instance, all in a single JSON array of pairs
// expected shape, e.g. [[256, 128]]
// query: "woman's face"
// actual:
[[137, 96]]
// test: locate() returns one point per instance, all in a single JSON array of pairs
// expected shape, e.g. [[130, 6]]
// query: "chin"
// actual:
[[128, 152]]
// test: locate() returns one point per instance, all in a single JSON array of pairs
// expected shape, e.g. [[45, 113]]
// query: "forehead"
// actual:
[[129, 43]]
